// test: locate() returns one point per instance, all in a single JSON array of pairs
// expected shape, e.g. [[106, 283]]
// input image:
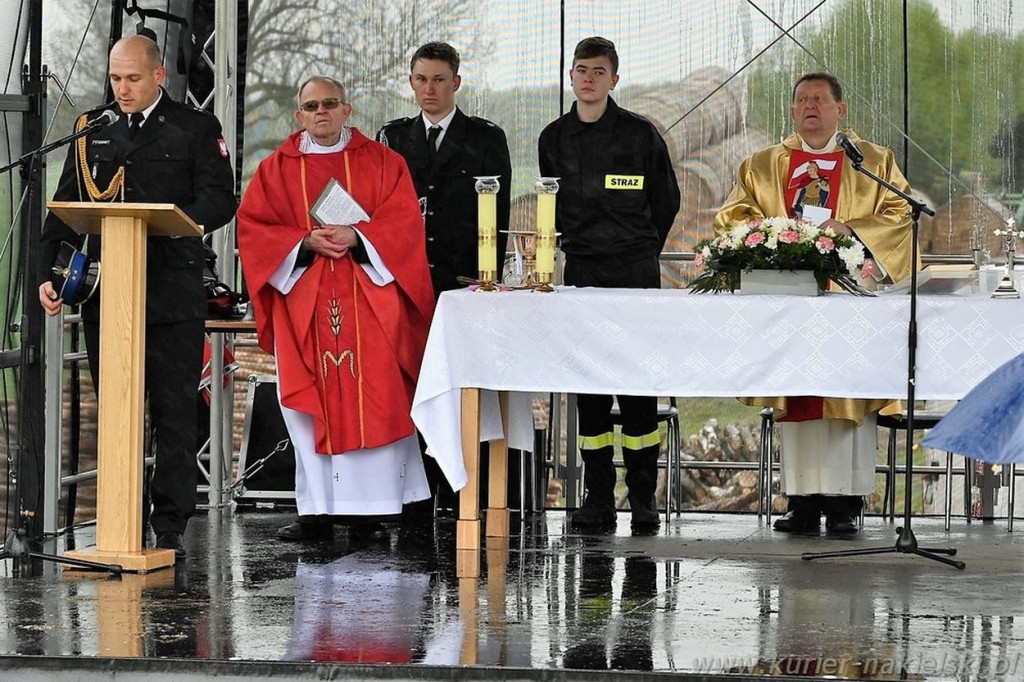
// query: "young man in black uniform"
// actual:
[[446, 150], [168, 153], [617, 199]]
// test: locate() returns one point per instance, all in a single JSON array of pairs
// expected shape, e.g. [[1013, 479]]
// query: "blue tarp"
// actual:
[[988, 424]]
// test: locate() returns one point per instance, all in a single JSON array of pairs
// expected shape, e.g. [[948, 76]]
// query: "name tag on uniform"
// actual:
[[623, 182]]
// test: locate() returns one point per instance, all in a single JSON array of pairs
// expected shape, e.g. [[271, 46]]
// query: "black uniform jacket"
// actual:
[[618, 193], [470, 147], [177, 157]]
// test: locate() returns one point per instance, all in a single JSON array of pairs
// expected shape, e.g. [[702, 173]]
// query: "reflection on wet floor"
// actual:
[[710, 594]]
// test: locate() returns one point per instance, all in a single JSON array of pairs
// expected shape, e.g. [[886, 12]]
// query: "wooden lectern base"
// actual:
[[119, 452], [143, 562]]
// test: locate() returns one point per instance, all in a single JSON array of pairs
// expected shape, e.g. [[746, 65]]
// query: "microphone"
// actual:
[[850, 147], [105, 119]]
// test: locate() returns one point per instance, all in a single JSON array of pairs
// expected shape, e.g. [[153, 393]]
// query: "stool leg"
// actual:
[[768, 469], [890, 483], [523, 459], [668, 471], [678, 496], [677, 453], [538, 480], [888, 480], [762, 459], [968, 474], [1013, 494], [760, 477], [949, 487]]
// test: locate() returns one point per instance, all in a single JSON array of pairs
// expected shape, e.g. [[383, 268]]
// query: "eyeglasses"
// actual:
[[314, 104]]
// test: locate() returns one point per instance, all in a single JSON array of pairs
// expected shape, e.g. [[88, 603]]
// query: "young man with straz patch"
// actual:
[[617, 199]]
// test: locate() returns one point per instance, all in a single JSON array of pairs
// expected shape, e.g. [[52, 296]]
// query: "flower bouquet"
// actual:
[[779, 244]]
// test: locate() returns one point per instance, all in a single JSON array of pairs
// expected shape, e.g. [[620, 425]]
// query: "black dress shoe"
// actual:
[[798, 522], [171, 540], [370, 531], [840, 524], [304, 530]]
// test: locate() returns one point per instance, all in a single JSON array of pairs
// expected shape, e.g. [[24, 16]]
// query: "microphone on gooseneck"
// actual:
[[850, 147], [105, 119]]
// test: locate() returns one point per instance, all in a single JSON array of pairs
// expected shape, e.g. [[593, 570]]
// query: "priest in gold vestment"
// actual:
[[828, 445]]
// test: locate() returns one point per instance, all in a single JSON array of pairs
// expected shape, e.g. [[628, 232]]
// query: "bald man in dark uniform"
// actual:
[[173, 154]]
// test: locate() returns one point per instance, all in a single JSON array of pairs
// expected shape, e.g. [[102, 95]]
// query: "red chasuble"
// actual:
[[348, 351], [813, 181]]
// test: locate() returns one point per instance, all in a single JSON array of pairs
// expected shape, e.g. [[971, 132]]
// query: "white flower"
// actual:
[[777, 242], [808, 232], [737, 235], [852, 256]]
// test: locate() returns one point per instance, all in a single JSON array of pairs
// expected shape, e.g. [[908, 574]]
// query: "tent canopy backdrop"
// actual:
[[714, 75], [944, 71]]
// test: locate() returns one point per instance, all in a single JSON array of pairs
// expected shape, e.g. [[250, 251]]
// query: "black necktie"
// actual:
[[432, 135], [134, 123]]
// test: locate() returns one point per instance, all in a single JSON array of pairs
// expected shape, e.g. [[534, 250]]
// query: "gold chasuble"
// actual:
[[769, 184], [879, 218], [348, 350]]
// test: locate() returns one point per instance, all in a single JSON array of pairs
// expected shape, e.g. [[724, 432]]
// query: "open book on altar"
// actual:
[[335, 206], [951, 279]]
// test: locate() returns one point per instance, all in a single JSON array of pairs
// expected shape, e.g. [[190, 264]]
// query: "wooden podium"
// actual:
[[125, 228]]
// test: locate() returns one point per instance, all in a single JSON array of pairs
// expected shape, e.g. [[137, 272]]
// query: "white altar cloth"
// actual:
[[669, 342]]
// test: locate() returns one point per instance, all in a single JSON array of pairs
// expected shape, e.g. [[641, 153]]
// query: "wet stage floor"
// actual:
[[711, 594]]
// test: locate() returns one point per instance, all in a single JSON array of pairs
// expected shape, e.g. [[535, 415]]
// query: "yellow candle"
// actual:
[[546, 233], [545, 213], [545, 256], [487, 225]]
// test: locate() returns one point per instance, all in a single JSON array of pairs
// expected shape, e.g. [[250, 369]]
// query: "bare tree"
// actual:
[[74, 48], [366, 45]]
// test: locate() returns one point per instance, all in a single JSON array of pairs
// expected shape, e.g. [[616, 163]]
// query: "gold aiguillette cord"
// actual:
[[116, 183]]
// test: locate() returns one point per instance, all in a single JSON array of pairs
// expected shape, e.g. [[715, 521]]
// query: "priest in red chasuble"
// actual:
[[343, 303], [828, 451]]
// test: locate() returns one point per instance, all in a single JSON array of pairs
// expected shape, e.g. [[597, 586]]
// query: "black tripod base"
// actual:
[[17, 547], [906, 543], [114, 569]]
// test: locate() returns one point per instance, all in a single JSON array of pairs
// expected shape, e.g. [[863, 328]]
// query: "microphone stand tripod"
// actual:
[[17, 544], [906, 541], [17, 547]]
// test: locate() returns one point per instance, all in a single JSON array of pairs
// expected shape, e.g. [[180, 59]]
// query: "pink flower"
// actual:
[[698, 260], [753, 239], [789, 236], [868, 269], [825, 244]]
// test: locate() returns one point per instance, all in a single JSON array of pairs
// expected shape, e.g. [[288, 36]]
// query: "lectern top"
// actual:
[[163, 220]]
